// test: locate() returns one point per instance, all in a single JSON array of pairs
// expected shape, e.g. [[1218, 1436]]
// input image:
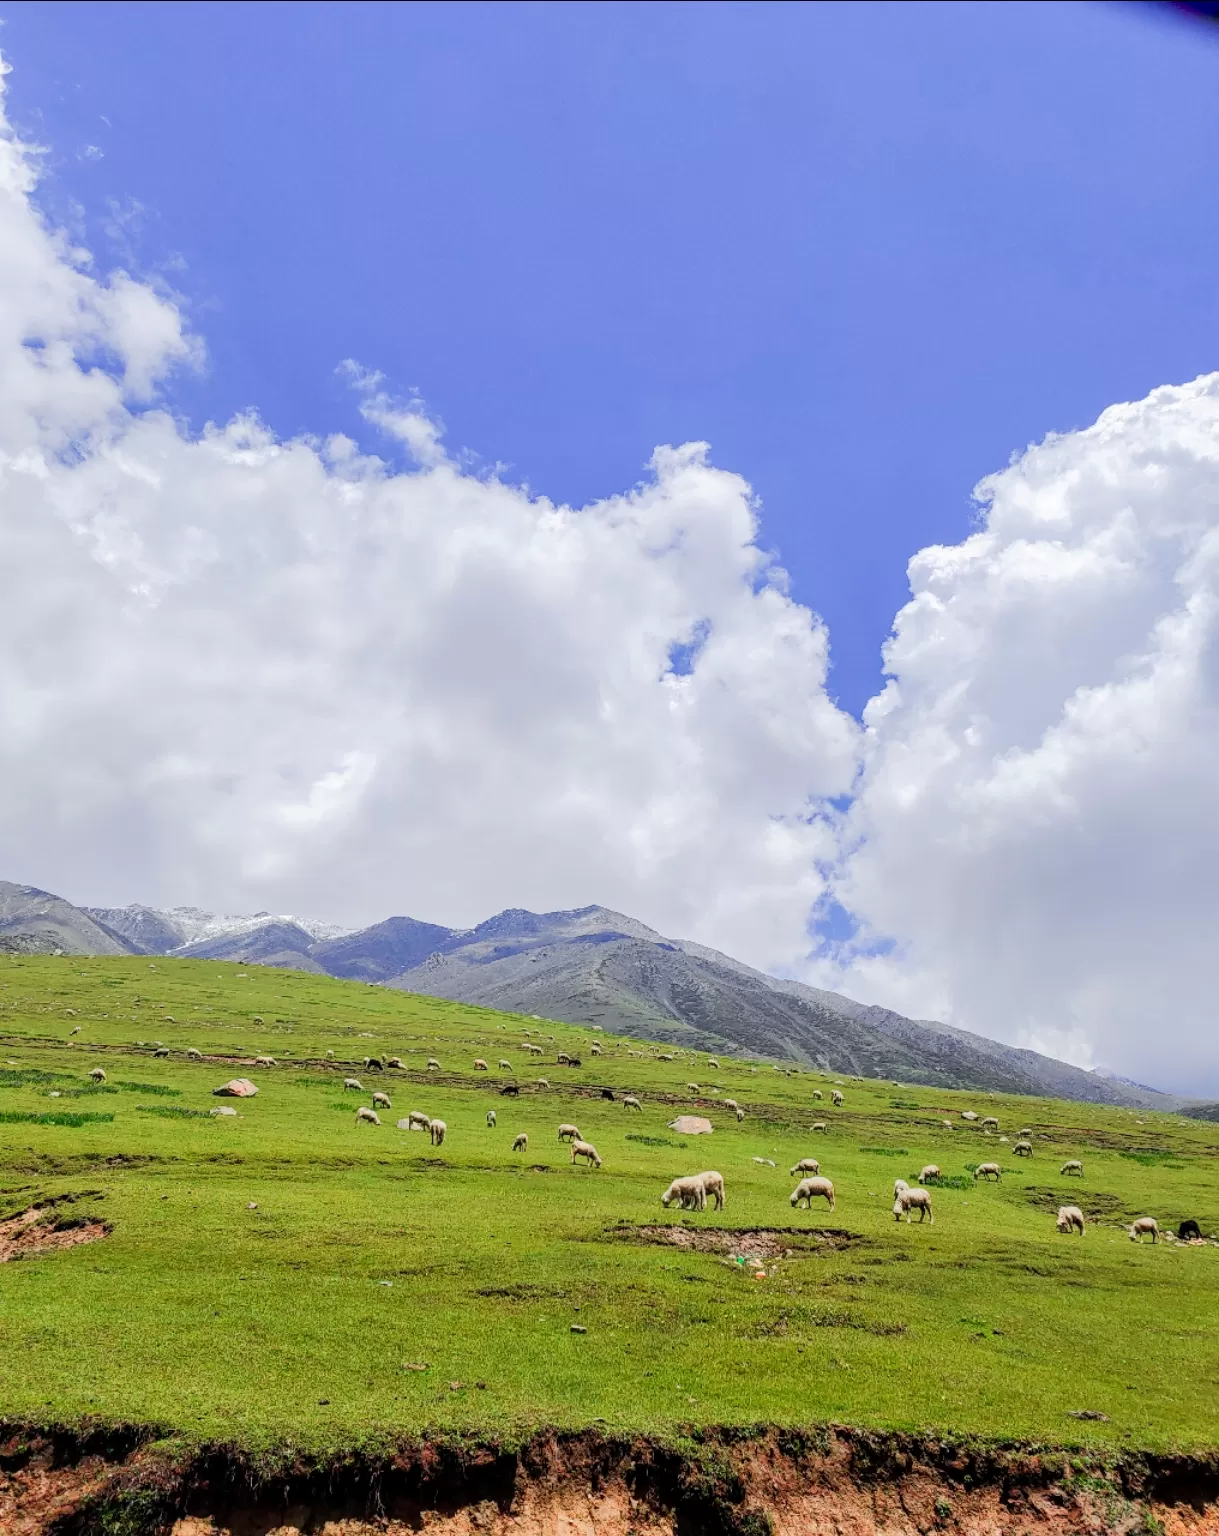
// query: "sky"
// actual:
[[668, 456]]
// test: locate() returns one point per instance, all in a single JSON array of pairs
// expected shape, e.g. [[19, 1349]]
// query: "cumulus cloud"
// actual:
[[248, 672], [1033, 850]]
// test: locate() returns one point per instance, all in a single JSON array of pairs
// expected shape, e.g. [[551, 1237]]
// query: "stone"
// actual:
[[237, 1088], [691, 1125]]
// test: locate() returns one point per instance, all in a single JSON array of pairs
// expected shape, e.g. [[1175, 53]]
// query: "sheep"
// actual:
[[805, 1165], [1142, 1226], [433, 1065], [836, 1096], [740, 1114], [629, 1101], [990, 1123], [1026, 1133], [374, 1064], [713, 1185], [164, 1051], [818, 1125], [730, 1104], [75, 1031], [809, 1189], [931, 1171], [418, 1121], [396, 1061], [330, 1055], [257, 1019], [914, 1200], [491, 1119], [948, 1125], [194, 1053], [369, 1116], [569, 1133], [688, 1192], [713, 1064], [98, 1075], [543, 1082], [1070, 1219], [987, 1171], [1022, 1149], [1189, 1231], [505, 1066], [1074, 1167], [260, 1061], [899, 1188], [437, 1129], [480, 1065], [562, 1059], [381, 1101], [585, 1149], [521, 1144], [596, 1050], [352, 1085], [693, 1087]]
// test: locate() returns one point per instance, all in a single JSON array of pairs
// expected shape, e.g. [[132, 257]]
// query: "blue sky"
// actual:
[[866, 251]]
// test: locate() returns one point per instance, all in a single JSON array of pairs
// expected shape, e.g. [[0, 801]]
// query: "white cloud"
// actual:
[[1036, 831], [245, 673]]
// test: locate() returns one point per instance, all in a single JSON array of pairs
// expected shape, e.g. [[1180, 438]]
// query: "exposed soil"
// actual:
[[38, 1231], [825, 1482], [749, 1242]]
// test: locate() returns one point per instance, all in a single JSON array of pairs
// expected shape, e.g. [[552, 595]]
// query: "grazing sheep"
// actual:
[[98, 1075], [596, 1051], [260, 1061], [713, 1185], [740, 1114], [1074, 1167], [693, 1087], [1189, 1231], [688, 1192], [931, 1171], [1070, 1219], [1142, 1226], [586, 1150], [914, 1200], [437, 1129], [330, 1055], [369, 1116], [418, 1121], [990, 1123], [543, 1082], [805, 1165], [194, 1053], [164, 1051], [75, 1030], [433, 1065], [505, 1066], [352, 1085], [1026, 1132], [836, 1096], [899, 1187], [396, 1061], [374, 1064], [569, 1133], [629, 1101], [819, 1125], [381, 1101], [713, 1064], [987, 1171], [1022, 1149], [817, 1093], [258, 1019], [809, 1189], [480, 1065], [562, 1059], [491, 1119], [730, 1104], [521, 1144]]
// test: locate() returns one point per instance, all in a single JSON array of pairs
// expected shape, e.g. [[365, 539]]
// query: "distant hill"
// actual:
[[589, 965]]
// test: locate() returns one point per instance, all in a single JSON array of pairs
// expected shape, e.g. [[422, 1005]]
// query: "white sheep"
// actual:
[[713, 1185], [418, 1121], [740, 1114], [330, 1055], [1022, 1149], [629, 1101], [987, 1171], [521, 1144], [259, 1061], [437, 1129], [990, 1123], [1142, 1226], [505, 1066], [913, 1200], [369, 1116], [194, 1053], [396, 1061], [1073, 1168], [353, 1085], [836, 1096], [543, 1082], [688, 1192], [1070, 1219], [480, 1065], [948, 1125], [817, 1094], [1026, 1132], [931, 1171], [730, 1104], [595, 1050], [569, 1133], [809, 1189], [381, 1101], [491, 1119], [586, 1150], [818, 1125], [713, 1064], [693, 1087], [805, 1165], [433, 1065], [98, 1075]]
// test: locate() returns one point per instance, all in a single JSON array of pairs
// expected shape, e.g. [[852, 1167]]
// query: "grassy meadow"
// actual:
[[280, 1277]]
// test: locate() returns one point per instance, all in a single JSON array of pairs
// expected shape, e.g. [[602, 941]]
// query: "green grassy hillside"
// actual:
[[278, 1276]]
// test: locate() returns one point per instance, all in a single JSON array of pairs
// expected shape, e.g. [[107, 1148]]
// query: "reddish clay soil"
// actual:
[[39, 1231], [834, 1482]]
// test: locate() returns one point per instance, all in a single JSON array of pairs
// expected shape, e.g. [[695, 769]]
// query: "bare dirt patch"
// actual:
[[39, 1230], [749, 1242]]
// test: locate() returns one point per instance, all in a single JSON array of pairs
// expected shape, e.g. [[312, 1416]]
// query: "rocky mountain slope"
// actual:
[[589, 965]]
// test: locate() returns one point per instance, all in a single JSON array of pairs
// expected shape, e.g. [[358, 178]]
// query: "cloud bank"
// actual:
[[246, 672]]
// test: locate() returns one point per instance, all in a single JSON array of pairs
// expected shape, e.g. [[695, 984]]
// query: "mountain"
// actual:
[[588, 965], [36, 922]]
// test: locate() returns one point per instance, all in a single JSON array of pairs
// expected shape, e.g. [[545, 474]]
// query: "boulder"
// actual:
[[225, 1109], [236, 1088], [691, 1125]]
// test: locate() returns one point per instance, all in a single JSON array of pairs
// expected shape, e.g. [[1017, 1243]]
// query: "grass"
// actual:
[[278, 1276]]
